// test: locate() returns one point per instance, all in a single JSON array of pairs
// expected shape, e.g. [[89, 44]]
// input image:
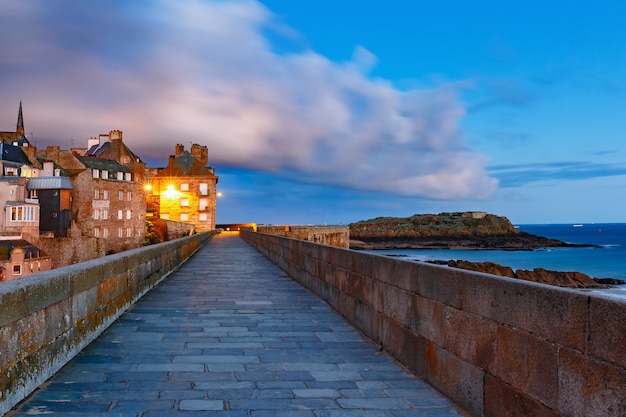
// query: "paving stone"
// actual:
[[229, 334]]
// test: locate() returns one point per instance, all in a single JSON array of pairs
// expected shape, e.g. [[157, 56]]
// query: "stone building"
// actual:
[[108, 205], [19, 258], [185, 190]]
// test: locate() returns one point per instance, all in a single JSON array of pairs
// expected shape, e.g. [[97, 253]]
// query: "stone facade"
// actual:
[[185, 190], [328, 235]]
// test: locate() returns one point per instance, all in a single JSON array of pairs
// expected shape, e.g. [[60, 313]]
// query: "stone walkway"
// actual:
[[229, 334]]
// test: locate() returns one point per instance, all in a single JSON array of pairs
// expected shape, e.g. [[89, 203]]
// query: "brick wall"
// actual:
[[47, 318], [495, 346]]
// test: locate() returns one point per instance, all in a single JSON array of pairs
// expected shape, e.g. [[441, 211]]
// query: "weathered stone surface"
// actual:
[[503, 400], [527, 363], [607, 329], [590, 388]]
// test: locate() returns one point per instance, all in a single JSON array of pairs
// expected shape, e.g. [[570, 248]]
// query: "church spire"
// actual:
[[20, 121]]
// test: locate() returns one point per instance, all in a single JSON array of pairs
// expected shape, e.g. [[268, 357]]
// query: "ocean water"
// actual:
[[606, 261]]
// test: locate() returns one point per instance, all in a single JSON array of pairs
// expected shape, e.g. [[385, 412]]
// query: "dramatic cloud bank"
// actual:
[[188, 71]]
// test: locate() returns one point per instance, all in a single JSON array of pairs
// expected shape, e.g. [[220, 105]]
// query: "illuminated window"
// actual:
[[165, 216], [204, 189], [184, 187], [203, 217], [184, 202], [184, 217], [204, 203]]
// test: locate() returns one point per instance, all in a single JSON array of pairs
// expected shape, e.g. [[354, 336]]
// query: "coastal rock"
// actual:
[[472, 230], [543, 276]]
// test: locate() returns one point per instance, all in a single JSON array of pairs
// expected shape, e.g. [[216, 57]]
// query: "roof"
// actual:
[[186, 165], [13, 153], [102, 164], [6, 246], [49, 183]]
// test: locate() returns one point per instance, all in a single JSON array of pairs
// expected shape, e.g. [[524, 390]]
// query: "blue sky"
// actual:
[[330, 112]]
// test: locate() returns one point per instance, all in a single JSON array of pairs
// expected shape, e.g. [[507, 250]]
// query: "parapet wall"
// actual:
[[327, 235], [495, 346], [47, 318]]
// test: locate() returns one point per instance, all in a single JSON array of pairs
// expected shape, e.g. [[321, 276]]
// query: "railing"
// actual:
[[495, 346], [47, 318]]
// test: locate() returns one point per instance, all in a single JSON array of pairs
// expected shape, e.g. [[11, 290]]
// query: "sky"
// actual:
[[331, 112]]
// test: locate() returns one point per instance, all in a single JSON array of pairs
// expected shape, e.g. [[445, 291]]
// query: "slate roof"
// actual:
[[13, 153], [49, 183], [6, 246], [102, 164], [186, 165]]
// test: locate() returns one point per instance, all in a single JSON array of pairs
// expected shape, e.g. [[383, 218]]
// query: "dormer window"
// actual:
[[95, 173]]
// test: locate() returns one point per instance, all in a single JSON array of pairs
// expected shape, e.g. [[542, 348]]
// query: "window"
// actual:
[[105, 232], [23, 213], [104, 214], [129, 232], [96, 214], [204, 202], [203, 217], [204, 189], [105, 175], [17, 269], [125, 160], [184, 217], [96, 232], [129, 195], [128, 214], [34, 195], [120, 214], [120, 176], [128, 176], [165, 216], [184, 187], [120, 195], [120, 232], [95, 173], [184, 202], [105, 194], [96, 194]]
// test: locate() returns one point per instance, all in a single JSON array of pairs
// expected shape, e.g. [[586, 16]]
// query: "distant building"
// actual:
[[185, 190], [19, 258]]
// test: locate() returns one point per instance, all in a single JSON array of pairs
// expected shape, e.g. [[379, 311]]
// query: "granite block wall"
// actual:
[[47, 318], [495, 346]]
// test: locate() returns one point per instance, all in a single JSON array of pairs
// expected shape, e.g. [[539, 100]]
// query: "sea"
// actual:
[[607, 260]]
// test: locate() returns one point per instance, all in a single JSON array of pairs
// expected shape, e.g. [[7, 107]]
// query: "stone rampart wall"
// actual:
[[47, 318], [327, 235], [495, 346]]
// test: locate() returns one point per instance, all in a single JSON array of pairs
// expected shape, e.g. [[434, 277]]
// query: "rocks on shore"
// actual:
[[544, 276]]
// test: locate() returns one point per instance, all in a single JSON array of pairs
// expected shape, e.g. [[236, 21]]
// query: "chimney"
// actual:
[[48, 169], [201, 153], [92, 142], [170, 164], [116, 144], [179, 149], [52, 153]]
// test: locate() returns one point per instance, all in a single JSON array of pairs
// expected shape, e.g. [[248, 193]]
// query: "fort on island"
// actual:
[[85, 233]]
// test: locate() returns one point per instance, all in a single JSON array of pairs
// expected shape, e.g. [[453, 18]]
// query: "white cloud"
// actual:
[[202, 72]]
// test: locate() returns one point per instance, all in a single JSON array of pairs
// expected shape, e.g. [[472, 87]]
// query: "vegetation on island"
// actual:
[[472, 230]]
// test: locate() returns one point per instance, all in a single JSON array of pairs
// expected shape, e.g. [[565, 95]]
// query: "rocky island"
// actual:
[[460, 230]]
